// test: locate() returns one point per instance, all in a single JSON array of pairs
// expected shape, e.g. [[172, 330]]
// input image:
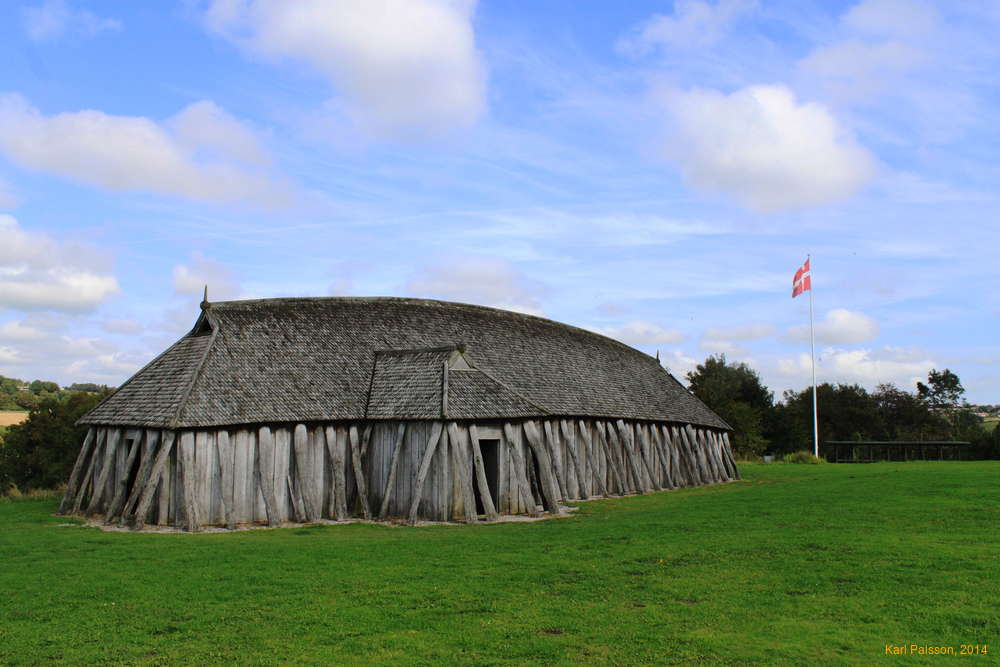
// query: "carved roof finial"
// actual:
[[204, 299]]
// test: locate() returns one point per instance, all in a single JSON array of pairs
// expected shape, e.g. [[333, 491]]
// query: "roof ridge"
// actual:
[[175, 419]]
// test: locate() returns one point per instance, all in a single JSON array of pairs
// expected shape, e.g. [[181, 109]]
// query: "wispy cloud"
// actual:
[[56, 18]]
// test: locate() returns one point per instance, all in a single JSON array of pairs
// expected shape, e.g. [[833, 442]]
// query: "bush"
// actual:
[[801, 456], [39, 453]]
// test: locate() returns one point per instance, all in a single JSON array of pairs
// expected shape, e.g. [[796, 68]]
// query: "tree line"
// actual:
[[18, 394], [936, 410]]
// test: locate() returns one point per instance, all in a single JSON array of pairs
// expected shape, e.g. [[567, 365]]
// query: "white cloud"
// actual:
[[15, 331], [402, 66], [54, 18], [134, 152], [723, 347], [191, 278], [694, 24], [678, 363], [642, 333], [9, 355], [840, 327], [892, 17], [204, 125], [865, 367], [485, 281], [864, 66], [763, 147], [744, 332], [39, 273]]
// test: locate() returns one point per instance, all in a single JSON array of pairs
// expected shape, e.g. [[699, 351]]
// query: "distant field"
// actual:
[[798, 564], [11, 417]]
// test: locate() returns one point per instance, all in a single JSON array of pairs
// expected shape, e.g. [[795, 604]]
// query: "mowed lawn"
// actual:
[[796, 564]]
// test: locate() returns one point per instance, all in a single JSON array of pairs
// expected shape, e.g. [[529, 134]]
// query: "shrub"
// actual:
[[801, 456]]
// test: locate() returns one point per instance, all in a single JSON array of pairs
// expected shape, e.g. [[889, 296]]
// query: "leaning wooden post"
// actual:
[[729, 453], [549, 487], [594, 476], [425, 466], [390, 484], [78, 468], [93, 466], [520, 469], [612, 464], [121, 485], [583, 488], [110, 453], [484, 489], [150, 440], [551, 443], [627, 445], [359, 472], [153, 481]]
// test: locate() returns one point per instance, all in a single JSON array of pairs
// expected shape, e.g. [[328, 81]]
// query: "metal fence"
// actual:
[[870, 451]]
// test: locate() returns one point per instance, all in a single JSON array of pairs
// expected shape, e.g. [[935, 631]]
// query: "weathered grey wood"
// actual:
[[121, 484], [698, 472], [358, 462], [459, 438], [583, 489], [224, 445], [303, 459], [730, 472], [594, 474], [645, 455], [150, 439], [708, 475], [484, 488], [684, 457], [627, 444], [662, 444], [110, 456], [87, 482], [713, 456], [551, 444], [242, 469], [548, 486], [520, 470], [264, 472], [425, 466], [390, 484], [616, 473], [153, 481], [189, 481], [338, 491], [729, 453], [78, 468]]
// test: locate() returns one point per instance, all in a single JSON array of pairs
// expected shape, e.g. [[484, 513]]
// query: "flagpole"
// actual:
[[812, 346]]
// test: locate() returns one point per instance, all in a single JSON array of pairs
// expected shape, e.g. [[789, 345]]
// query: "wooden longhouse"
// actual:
[[301, 410]]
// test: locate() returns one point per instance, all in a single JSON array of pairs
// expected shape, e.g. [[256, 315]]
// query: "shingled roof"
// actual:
[[353, 358]]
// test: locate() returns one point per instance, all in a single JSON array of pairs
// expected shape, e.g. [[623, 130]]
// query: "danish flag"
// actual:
[[802, 280]]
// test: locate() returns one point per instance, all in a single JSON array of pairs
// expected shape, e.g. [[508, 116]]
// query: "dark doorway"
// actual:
[[491, 464]]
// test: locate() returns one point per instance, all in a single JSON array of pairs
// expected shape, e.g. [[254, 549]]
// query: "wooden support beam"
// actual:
[[224, 444], [357, 460], [150, 439], [87, 483], [484, 489], [646, 455], [680, 458], [583, 488], [155, 474], [628, 444], [666, 458], [701, 477], [121, 484], [110, 455], [73, 485], [603, 431], [729, 453], [390, 484], [425, 466], [338, 490], [594, 477], [263, 471], [189, 481], [520, 470], [303, 470], [462, 458], [551, 443], [549, 487]]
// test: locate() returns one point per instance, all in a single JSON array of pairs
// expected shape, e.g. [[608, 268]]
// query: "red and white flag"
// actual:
[[802, 280]]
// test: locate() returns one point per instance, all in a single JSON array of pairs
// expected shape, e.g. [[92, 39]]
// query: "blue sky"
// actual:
[[655, 171]]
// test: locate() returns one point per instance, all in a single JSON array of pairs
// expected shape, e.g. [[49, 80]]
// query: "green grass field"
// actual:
[[796, 564]]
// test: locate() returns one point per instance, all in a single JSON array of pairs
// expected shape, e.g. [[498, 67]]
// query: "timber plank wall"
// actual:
[[392, 470]]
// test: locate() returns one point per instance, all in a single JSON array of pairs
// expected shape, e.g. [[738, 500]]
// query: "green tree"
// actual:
[[43, 387], [944, 393], [40, 452], [846, 412], [736, 393]]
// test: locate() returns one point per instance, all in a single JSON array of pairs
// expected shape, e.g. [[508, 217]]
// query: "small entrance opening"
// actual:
[[491, 464]]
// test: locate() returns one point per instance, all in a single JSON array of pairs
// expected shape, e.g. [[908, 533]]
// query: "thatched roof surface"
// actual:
[[285, 360]]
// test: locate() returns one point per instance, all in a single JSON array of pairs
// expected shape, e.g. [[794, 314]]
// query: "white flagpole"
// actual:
[[812, 345]]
